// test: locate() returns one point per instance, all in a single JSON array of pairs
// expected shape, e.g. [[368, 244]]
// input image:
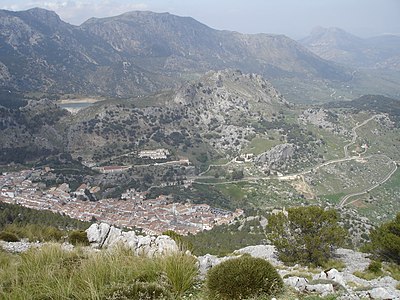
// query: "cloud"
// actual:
[[78, 11]]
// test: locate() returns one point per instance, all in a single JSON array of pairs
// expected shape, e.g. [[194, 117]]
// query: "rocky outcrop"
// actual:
[[331, 281], [333, 275], [323, 119], [380, 293], [298, 283], [107, 236], [276, 156], [206, 262], [267, 252]]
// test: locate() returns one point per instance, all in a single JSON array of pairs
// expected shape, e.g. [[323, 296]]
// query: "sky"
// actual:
[[294, 18]]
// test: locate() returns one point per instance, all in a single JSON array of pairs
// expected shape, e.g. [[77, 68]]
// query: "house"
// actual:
[[154, 154], [112, 169]]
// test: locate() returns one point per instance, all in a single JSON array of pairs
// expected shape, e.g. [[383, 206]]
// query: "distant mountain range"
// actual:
[[139, 52], [335, 44]]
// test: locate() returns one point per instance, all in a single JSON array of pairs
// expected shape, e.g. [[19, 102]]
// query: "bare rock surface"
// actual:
[[18, 247], [106, 236], [206, 262], [267, 252], [276, 156]]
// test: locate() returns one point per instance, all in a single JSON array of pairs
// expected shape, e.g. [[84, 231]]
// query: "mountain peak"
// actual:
[[331, 33], [43, 14]]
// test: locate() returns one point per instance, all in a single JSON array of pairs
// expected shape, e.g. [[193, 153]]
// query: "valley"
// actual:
[[147, 155], [229, 140], [149, 115]]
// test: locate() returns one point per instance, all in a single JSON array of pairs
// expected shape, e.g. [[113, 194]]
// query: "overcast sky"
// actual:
[[295, 18]]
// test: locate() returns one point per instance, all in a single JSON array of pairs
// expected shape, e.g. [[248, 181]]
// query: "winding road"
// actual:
[[355, 136], [387, 177], [344, 200]]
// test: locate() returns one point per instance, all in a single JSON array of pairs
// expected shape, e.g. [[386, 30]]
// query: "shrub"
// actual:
[[34, 232], [366, 275], [181, 271], [136, 291], [375, 267], [8, 236], [385, 241], [243, 277], [182, 243], [306, 234], [78, 237]]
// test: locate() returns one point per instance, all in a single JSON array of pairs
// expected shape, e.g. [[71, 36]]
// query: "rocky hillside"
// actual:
[[215, 116], [138, 52], [349, 277], [30, 131]]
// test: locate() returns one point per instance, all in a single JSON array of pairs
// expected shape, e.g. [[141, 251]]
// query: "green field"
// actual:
[[260, 145]]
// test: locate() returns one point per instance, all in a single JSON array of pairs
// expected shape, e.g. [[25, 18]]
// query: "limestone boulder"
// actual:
[[106, 236], [322, 289], [97, 234], [333, 275], [381, 294], [298, 283], [267, 252]]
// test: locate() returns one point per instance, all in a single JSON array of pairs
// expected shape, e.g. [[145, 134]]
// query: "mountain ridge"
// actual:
[[138, 53], [337, 45]]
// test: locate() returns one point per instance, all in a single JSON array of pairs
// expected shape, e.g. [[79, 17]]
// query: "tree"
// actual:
[[306, 234], [385, 241], [237, 175]]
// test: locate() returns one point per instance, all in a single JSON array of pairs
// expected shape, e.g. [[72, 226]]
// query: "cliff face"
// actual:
[[277, 156]]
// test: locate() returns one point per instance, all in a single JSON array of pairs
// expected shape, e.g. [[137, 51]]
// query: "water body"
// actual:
[[74, 107]]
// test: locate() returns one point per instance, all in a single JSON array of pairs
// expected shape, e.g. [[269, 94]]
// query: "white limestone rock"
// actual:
[[206, 262], [18, 247], [331, 274], [267, 252], [298, 283], [164, 245], [130, 239], [381, 294], [322, 289], [97, 234], [144, 245], [354, 261], [113, 237], [106, 236]]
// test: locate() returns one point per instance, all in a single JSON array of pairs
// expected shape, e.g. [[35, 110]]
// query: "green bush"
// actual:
[[375, 267], [8, 236], [181, 271], [243, 277], [306, 235], [385, 241], [78, 237], [34, 232], [182, 243]]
